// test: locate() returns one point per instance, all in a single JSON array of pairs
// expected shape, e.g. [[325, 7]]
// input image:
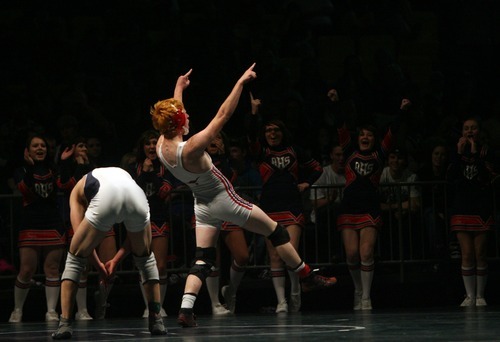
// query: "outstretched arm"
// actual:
[[196, 145], [182, 83]]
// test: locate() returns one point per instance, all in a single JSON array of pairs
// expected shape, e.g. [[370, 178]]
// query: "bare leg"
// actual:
[[52, 262], [82, 245], [260, 223]]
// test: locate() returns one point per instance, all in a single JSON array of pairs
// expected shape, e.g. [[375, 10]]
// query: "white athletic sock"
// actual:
[[469, 278], [481, 278], [236, 273], [367, 270], [188, 300], [355, 271], [212, 282], [278, 278], [294, 282], [21, 290], [81, 295], [52, 290]]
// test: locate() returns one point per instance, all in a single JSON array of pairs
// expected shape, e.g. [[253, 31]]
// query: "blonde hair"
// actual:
[[168, 116]]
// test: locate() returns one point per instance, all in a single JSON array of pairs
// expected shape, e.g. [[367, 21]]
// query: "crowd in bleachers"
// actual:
[[104, 64]]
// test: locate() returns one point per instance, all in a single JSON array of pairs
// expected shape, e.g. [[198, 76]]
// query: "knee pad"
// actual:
[[73, 268], [147, 268], [279, 237], [207, 256]]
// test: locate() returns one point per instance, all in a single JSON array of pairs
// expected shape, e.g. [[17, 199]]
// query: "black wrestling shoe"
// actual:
[[186, 318]]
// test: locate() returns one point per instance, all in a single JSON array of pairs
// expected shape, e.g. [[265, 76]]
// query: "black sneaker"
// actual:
[[315, 282], [64, 330], [156, 326], [186, 318]]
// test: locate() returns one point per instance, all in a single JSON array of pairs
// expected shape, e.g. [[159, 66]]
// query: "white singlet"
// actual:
[[115, 197], [214, 197]]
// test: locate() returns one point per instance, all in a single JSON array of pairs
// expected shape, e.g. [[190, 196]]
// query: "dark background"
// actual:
[[107, 62]]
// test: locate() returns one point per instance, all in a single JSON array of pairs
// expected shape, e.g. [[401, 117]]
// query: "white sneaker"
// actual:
[[366, 304], [83, 315], [295, 302], [229, 297], [282, 307], [468, 301], [16, 316], [219, 310], [163, 313], [480, 301], [51, 316]]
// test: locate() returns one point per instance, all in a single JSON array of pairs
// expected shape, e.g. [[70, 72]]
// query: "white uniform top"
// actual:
[[396, 194], [115, 197], [214, 197], [328, 177]]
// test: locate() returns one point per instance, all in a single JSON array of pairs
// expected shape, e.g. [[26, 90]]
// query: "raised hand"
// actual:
[[183, 81], [81, 158], [462, 141], [333, 95], [147, 166], [68, 152], [248, 75], [27, 157], [405, 104], [255, 103]]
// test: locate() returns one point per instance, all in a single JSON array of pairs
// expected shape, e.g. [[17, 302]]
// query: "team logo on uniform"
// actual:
[[470, 171], [43, 189], [363, 168], [280, 162]]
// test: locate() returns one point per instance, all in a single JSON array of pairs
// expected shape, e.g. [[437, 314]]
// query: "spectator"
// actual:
[[434, 198], [400, 204], [156, 182], [326, 200], [471, 212], [41, 231], [287, 171]]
